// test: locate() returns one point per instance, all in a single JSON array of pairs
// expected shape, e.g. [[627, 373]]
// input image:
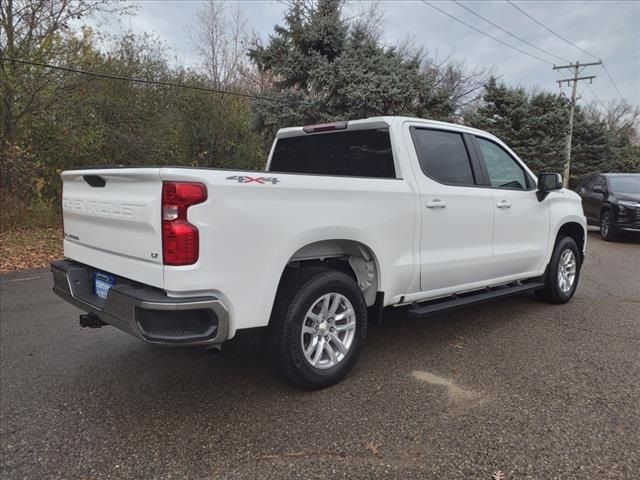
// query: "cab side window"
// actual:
[[443, 156], [600, 184], [587, 183], [503, 170]]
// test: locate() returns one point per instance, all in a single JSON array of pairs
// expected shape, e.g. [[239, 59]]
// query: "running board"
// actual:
[[473, 298]]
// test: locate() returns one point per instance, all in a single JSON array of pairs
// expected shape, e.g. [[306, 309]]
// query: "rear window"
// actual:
[[355, 153]]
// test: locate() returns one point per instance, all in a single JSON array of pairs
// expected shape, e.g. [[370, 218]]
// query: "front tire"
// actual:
[[318, 327], [607, 230], [563, 272]]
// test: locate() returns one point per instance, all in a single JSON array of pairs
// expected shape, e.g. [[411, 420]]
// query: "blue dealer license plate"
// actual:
[[103, 282]]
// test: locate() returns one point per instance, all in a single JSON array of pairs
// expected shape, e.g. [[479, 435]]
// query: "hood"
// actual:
[[629, 197]]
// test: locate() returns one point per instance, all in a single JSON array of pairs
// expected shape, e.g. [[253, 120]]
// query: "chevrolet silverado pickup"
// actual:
[[348, 218]]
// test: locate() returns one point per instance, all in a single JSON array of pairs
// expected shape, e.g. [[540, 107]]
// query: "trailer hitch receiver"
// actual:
[[91, 320]]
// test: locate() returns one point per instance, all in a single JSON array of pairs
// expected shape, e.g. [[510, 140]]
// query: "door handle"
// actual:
[[503, 204], [436, 203]]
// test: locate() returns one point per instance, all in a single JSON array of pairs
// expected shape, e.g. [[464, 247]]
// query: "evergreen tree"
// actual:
[[535, 127], [591, 149], [503, 112], [326, 69], [544, 136]]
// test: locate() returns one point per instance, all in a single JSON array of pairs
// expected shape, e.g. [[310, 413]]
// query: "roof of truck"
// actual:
[[386, 121]]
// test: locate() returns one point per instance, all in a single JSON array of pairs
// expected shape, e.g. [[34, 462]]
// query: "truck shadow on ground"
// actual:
[[191, 380], [189, 402]]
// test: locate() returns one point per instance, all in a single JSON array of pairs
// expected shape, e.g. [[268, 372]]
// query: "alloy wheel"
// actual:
[[605, 224], [567, 270], [328, 331]]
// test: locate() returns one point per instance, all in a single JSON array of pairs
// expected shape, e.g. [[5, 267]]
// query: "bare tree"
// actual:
[[466, 84], [30, 30], [622, 119], [463, 84], [368, 16], [255, 77], [220, 38], [36, 30]]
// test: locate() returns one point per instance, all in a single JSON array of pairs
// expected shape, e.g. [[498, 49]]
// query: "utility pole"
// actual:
[[577, 68]]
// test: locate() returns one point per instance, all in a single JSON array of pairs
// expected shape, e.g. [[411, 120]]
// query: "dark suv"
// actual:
[[612, 201]]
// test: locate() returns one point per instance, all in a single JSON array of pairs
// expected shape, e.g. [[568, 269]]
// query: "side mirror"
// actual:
[[598, 189], [548, 182]]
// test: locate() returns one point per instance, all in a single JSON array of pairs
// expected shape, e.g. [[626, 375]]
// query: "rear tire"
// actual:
[[563, 273], [607, 230], [318, 327]]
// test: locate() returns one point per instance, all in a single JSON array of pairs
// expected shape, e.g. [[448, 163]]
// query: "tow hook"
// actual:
[[91, 320]]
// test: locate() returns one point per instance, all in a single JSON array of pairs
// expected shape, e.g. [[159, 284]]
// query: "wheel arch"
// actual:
[[604, 207], [576, 231], [349, 256]]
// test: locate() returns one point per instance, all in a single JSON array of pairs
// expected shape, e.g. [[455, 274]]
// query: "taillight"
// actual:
[[180, 242]]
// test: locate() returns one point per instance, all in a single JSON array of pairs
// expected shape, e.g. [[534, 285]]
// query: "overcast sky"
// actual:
[[608, 29]]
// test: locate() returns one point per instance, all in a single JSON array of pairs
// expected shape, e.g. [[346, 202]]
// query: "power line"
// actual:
[[581, 92], [588, 86], [148, 82], [570, 43], [575, 67], [594, 95], [559, 76], [606, 70], [551, 31], [486, 34], [508, 32]]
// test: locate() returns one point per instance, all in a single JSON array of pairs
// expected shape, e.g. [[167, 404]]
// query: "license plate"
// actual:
[[103, 282]]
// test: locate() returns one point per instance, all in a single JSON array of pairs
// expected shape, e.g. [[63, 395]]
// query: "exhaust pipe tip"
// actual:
[[213, 349]]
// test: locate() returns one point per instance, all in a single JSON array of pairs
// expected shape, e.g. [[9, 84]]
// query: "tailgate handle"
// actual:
[[95, 180]]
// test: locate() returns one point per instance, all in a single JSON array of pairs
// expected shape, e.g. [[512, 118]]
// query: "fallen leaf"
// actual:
[[294, 454], [268, 457], [373, 448], [26, 248]]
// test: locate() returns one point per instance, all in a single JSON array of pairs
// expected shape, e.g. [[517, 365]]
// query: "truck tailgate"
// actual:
[[112, 221]]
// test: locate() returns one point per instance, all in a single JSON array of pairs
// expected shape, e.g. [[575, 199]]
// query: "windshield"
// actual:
[[626, 184]]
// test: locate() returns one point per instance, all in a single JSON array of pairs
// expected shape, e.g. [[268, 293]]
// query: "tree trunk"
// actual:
[[9, 130]]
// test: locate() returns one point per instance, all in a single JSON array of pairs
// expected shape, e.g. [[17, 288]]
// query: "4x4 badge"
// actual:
[[260, 180]]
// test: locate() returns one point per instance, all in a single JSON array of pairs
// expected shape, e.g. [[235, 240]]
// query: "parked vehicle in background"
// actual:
[[348, 218], [611, 201]]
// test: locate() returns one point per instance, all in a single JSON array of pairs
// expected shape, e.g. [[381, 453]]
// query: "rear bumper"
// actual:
[[145, 312]]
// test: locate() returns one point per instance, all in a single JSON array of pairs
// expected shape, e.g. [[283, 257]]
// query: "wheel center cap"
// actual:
[[323, 328]]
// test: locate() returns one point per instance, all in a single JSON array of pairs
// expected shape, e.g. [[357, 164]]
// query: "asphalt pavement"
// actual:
[[531, 390]]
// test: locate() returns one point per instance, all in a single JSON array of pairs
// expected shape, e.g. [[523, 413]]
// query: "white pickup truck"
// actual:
[[347, 219]]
